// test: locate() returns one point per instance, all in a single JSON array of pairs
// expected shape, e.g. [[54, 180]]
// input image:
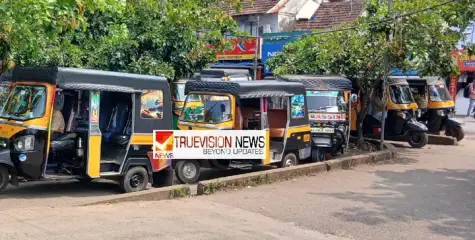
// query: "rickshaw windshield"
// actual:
[[203, 108], [326, 101], [439, 93], [401, 94], [179, 91], [25, 102]]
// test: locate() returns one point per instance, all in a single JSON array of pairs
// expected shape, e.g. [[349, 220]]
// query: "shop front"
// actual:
[[466, 65]]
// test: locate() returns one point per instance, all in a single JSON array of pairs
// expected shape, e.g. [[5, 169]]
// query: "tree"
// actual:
[[30, 29], [168, 38], [422, 41]]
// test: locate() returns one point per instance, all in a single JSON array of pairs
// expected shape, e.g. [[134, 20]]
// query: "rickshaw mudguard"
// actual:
[[450, 122], [5, 158], [415, 126]]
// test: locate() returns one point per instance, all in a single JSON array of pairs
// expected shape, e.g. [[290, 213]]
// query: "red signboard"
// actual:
[[465, 62], [243, 49]]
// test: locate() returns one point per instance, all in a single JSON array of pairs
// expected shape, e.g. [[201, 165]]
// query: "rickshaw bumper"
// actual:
[[321, 141]]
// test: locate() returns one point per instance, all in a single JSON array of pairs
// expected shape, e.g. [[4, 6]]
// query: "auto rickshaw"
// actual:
[[327, 103], [401, 115], [217, 74], [106, 131], [277, 107], [440, 111], [178, 97]]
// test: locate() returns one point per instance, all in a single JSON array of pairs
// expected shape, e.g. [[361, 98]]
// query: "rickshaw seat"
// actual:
[[277, 132], [119, 120], [277, 122], [66, 142]]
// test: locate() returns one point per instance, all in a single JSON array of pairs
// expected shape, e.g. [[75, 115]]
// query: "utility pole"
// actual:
[[385, 79], [257, 49]]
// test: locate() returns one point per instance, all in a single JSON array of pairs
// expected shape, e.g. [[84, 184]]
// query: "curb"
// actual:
[[252, 179], [269, 176], [442, 140], [154, 194]]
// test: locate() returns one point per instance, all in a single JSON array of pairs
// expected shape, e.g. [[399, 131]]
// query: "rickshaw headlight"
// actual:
[[341, 128], [401, 115], [25, 143], [441, 113]]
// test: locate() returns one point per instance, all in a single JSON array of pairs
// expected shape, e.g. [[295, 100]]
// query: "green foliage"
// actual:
[[423, 41], [148, 37]]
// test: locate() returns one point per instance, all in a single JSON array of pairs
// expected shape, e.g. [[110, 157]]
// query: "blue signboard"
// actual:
[[274, 42]]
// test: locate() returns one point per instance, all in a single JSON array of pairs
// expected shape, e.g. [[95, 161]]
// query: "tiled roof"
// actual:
[[330, 14], [258, 7]]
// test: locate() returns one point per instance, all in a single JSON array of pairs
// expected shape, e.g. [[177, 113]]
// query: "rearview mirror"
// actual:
[[354, 98], [223, 107]]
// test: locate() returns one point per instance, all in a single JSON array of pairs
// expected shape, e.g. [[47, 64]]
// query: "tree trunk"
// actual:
[[360, 119]]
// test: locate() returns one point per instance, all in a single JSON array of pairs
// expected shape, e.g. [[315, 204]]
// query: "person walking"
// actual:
[[471, 99]]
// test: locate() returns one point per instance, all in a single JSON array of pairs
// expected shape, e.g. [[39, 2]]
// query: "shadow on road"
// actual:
[[444, 198]]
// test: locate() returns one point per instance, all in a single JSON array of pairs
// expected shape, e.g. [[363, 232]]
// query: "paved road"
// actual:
[[427, 195]]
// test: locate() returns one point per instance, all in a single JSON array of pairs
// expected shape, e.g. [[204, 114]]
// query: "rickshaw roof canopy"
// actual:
[[5, 79], [320, 82], [83, 79], [250, 89], [222, 72], [423, 81]]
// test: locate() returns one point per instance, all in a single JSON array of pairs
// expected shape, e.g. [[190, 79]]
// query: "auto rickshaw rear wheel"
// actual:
[[4, 177], [418, 139], [135, 179], [289, 160], [456, 132], [318, 154], [187, 171]]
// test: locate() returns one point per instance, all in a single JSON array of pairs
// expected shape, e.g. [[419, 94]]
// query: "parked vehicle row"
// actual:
[[66, 123]]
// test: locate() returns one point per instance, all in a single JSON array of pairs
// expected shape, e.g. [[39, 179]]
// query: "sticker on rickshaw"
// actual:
[[219, 98], [319, 116], [322, 130]]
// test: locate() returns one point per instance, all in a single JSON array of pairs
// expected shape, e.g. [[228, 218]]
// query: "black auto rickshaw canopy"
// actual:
[[250, 89], [424, 81], [320, 82], [221, 73], [87, 79]]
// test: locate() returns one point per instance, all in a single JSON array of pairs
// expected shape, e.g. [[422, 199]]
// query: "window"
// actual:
[[277, 103], [326, 101], [439, 93], [208, 109], [151, 104], [401, 94], [25, 102], [179, 91], [297, 106]]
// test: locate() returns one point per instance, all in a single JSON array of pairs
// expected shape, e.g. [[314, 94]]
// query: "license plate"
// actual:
[[323, 130]]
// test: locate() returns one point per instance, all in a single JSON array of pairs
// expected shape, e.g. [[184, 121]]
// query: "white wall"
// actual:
[[245, 25], [287, 15]]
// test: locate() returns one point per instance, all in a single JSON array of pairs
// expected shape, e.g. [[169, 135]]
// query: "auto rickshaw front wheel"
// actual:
[[318, 154], [4, 177], [187, 171], [418, 139], [134, 180], [289, 160], [456, 132]]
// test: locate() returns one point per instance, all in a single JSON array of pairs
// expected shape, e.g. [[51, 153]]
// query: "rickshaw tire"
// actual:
[[180, 174], [4, 177], [422, 143], [289, 160], [317, 155], [456, 132], [133, 172]]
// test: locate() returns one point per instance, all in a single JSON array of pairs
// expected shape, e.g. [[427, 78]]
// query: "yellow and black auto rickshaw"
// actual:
[[401, 115], [439, 108], [327, 103], [277, 107], [178, 97], [66, 123]]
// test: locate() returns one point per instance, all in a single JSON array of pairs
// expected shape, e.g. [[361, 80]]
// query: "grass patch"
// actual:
[[180, 192]]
